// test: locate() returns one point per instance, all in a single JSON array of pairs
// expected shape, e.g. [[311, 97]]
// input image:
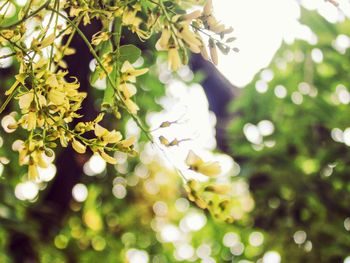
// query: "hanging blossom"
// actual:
[[48, 104], [186, 32], [49, 100]]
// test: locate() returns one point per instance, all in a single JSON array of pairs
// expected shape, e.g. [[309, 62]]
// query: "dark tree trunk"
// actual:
[[220, 92]]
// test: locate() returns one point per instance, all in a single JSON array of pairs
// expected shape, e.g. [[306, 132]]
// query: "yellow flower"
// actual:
[[31, 120], [195, 163], [129, 73], [28, 105], [208, 8], [23, 154], [31, 153], [211, 22], [174, 60], [128, 90], [47, 41], [134, 22], [52, 81], [25, 100], [106, 136], [107, 158], [128, 142], [63, 137], [99, 37], [132, 106], [189, 36], [83, 127], [164, 141], [9, 122], [192, 188], [56, 96], [129, 15], [38, 158], [163, 42], [78, 146], [7, 33], [192, 15], [32, 172], [75, 11], [215, 25], [112, 137]]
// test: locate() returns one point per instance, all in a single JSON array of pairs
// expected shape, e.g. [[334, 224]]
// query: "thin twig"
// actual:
[[8, 55], [333, 2]]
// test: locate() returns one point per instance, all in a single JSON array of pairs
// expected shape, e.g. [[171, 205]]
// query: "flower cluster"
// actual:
[[228, 202], [49, 100], [34, 154], [196, 31], [127, 87], [46, 98], [183, 32], [48, 104], [129, 12], [131, 19], [196, 164], [104, 140]]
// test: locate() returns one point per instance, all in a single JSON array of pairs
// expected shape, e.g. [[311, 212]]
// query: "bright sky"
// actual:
[[260, 27]]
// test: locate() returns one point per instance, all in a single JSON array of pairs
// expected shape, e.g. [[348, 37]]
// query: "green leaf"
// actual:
[[104, 47], [224, 49], [231, 39], [95, 75], [129, 53], [108, 97]]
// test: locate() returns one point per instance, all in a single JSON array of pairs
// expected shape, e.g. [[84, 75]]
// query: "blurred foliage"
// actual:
[[298, 172]]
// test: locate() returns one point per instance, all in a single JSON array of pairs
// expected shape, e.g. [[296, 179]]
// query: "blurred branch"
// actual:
[[220, 93], [333, 2]]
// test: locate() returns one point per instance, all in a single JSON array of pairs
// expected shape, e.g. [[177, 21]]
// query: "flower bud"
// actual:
[[78, 146]]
